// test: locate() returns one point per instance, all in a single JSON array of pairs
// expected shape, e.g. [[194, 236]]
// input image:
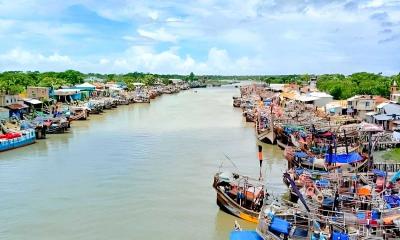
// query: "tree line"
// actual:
[[338, 85], [14, 82]]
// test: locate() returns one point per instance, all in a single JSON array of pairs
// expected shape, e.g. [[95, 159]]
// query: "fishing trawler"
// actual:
[[239, 195]]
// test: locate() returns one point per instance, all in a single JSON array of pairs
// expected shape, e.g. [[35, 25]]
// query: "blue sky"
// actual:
[[206, 37]]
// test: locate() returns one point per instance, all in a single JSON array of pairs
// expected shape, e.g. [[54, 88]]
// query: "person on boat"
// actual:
[[240, 196]]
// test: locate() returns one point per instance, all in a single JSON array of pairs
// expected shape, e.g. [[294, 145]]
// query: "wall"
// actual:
[[6, 100], [38, 92]]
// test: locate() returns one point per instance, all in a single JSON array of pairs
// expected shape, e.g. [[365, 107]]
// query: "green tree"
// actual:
[[149, 79], [9, 83], [52, 82], [336, 92], [110, 77], [191, 77], [71, 77]]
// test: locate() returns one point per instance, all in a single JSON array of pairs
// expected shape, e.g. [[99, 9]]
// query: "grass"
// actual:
[[392, 155]]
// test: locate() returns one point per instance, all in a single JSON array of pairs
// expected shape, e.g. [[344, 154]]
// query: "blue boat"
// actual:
[[28, 137]]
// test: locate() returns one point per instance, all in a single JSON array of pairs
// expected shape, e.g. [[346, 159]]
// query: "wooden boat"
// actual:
[[237, 101], [353, 161], [239, 195], [78, 113], [280, 144], [57, 125], [13, 140], [141, 99]]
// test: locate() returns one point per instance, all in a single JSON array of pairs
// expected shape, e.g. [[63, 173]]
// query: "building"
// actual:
[[17, 110], [360, 105], [322, 98], [388, 116], [394, 93], [318, 99], [338, 107], [41, 93], [6, 99]]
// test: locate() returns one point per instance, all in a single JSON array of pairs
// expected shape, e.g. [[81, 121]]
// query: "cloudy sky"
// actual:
[[204, 36]]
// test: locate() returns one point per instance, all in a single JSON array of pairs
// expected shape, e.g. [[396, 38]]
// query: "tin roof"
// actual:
[[17, 106]]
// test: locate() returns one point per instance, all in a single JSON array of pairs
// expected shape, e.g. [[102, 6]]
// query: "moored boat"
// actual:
[[239, 195], [13, 140]]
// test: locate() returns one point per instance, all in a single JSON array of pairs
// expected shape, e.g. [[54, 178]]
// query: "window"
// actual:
[[367, 104]]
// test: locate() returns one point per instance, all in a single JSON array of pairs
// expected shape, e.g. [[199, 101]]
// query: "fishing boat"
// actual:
[[11, 140], [239, 195], [141, 99], [57, 125], [265, 132], [237, 101], [324, 162], [78, 112]]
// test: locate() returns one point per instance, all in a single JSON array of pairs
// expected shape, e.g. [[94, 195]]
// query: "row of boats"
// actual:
[[56, 117], [335, 190]]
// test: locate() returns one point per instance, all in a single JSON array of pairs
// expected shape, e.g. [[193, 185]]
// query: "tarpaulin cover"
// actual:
[[244, 235], [393, 200], [327, 202], [395, 177], [343, 158], [300, 154], [339, 236], [279, 225], [375, 215], [379, 173], [322, 183]]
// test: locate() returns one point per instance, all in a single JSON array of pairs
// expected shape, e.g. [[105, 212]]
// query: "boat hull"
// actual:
[[17, 142]]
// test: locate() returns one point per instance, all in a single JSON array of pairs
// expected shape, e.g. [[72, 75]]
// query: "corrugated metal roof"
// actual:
[[392, 108]]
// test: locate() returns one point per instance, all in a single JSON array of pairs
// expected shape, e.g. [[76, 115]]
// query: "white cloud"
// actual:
[[18, 59], [158, 35], [254, 36], [146, 59], [153, 15]]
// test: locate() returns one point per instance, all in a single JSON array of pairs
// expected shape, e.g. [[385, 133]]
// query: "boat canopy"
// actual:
[[343, 158]]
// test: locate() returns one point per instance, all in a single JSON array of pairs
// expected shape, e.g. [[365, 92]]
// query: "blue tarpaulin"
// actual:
[[322, 183], [343, 158], [279, 225], [379, 173], [300, 154], [392, 200], [339, 236], [244, 235]]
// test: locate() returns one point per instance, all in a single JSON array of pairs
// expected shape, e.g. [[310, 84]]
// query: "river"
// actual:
[[142, 171]]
